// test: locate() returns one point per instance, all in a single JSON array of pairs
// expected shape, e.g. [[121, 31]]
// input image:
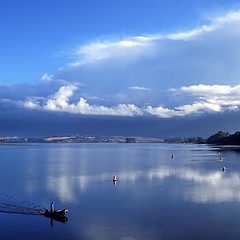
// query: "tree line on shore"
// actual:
[[224, 138], [220, 137]]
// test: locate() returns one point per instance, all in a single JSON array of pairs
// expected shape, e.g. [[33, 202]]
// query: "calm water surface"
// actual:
[[155, 197]]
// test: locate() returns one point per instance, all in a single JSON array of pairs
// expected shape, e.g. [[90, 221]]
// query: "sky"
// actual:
[[153, 68]]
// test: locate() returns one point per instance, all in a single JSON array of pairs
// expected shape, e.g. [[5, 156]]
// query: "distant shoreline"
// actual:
[[16, 145], [220, 138], [98, 139]]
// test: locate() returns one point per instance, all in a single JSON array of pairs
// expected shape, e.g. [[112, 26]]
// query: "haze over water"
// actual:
[[155, 197]]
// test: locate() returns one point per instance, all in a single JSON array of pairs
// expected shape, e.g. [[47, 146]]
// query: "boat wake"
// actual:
[[16, 209], [9, 204]]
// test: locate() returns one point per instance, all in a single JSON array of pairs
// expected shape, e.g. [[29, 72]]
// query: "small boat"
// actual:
[[57, 215]]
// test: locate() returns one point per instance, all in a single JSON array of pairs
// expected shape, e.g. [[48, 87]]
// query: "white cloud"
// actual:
[[208, 54], [191, 34], [223, 95], [215, 98], [163, 112], [212, 90], [137, 46], [233, 108], [103, 50], [184, 110], [47, 77], [59, 102], [230, 17], [215, 24], [205, 99], [140, 88]]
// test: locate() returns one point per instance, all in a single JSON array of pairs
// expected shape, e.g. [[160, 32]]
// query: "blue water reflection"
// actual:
[[155, 197]]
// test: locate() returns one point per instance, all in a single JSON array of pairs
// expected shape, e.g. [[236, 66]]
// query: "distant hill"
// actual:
[[224, 138], [185, 140], [81, 139]]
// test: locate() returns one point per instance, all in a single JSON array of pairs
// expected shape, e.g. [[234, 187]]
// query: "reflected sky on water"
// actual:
[[155, 197]]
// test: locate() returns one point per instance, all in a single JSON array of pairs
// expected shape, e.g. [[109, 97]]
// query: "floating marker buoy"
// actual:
[[224, 169], [172, 155], [114, 178], [221, 158]]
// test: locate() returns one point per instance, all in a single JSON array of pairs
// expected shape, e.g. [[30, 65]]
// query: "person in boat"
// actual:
[[52, 206]]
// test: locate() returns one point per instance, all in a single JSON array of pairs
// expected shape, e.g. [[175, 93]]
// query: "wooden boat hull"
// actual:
[[57, 215]]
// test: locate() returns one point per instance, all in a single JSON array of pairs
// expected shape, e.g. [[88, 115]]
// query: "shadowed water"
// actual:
[[155, 197]]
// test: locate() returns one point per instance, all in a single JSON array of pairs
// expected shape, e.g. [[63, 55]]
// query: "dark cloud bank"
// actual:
[[22, 123], [184, 84]]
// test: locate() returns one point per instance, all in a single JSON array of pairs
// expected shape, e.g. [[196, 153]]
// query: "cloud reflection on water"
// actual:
[[196, 186], [210, 187], [61, 186]]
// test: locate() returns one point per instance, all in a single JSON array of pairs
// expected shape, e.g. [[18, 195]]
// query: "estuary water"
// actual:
[[156, 196]]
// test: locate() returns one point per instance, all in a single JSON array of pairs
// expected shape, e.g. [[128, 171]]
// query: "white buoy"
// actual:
[[114, 178], [224, 169]]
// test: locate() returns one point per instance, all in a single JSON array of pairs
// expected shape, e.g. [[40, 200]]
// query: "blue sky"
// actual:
[[39, 36], [171, 62]]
